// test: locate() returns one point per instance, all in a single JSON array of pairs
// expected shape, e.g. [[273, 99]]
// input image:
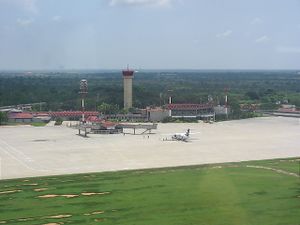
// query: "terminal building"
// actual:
[[197, 111]]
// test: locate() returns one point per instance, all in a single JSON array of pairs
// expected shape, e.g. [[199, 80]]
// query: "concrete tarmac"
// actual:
[[27, 151]]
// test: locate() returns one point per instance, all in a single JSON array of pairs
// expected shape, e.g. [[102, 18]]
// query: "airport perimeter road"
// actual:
[[37, 151]]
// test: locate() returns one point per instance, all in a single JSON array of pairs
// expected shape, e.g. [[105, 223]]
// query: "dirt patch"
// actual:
[[69, 196], [54, 196], [60, 223], [24, 219], [30, 184], [94, 213], [9, 192], [65, 181], [40, 189], [94, 193], [73, 195], [48, 196], [99, 220], [216, 167], [58, 216], [2, 222]]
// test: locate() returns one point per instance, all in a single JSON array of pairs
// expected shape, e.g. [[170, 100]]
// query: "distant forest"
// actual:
[[60, 89]]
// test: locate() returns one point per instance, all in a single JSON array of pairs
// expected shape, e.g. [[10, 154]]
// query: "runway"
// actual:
[[27, 151]]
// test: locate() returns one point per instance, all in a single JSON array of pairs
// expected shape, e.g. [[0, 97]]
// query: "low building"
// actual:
[[131, 117], [198, 111], [221, 110], [72, 115], [249, 107], [156, 114], [20, 117], [288, 107], [41, 117]]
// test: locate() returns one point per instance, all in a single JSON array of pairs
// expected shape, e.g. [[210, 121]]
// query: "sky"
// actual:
[[149, 34]]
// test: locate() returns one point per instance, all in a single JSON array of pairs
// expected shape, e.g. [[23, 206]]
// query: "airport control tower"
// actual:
[[127, 76]]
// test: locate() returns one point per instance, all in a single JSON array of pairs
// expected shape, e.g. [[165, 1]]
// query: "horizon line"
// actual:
[[139, 69]]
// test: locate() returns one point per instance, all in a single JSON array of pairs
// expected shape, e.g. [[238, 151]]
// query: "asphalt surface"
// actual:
[[27, 151]]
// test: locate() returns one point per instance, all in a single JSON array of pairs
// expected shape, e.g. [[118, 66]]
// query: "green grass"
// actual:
[[223, 194], [35, 124], [38, 124]]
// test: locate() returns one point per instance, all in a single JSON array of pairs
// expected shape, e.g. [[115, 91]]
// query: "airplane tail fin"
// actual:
[[188, 132]]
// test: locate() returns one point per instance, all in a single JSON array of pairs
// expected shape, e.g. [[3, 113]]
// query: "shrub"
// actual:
[[58, 121]]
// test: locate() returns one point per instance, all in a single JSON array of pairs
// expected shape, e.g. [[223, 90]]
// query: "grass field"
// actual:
[[34, 124], [255, 192]]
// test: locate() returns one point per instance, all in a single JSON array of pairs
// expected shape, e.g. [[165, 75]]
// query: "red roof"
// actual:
[[107, 124], [21, 115], [93, 119], [73, 113], [188, 106], [41, 114]]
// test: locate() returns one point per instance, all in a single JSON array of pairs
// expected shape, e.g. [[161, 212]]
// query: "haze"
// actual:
[[149, 34]]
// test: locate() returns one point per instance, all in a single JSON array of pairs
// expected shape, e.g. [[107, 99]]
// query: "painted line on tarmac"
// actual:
[[15, 158], [18, 156], [14, 150]]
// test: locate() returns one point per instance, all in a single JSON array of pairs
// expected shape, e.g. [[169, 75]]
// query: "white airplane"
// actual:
[[181, 136]]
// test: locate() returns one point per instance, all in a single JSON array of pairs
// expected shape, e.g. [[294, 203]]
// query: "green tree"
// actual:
[[106, 108], [253, 95], [123, 111], [58, 121], [3, 118], [131, 110]]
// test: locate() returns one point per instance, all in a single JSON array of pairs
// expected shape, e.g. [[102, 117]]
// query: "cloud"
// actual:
[[30, 5], [56, 18], [26, 5], [140, 2], [24, 22], [196, 41], [256, 20], [288, 49], [262, 39], [224, 34]]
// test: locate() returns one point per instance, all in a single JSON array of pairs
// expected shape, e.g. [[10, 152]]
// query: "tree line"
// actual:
[[60, 90]]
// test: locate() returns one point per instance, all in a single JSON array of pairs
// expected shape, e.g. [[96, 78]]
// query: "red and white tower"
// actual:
[[226, 100], [127, 77], [83, 92]]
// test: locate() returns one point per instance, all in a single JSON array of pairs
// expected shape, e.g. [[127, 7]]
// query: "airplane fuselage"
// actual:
[[181, 136]]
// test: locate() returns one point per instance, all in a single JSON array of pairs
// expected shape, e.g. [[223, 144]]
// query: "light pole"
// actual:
[[170, 101], [83, 92]]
